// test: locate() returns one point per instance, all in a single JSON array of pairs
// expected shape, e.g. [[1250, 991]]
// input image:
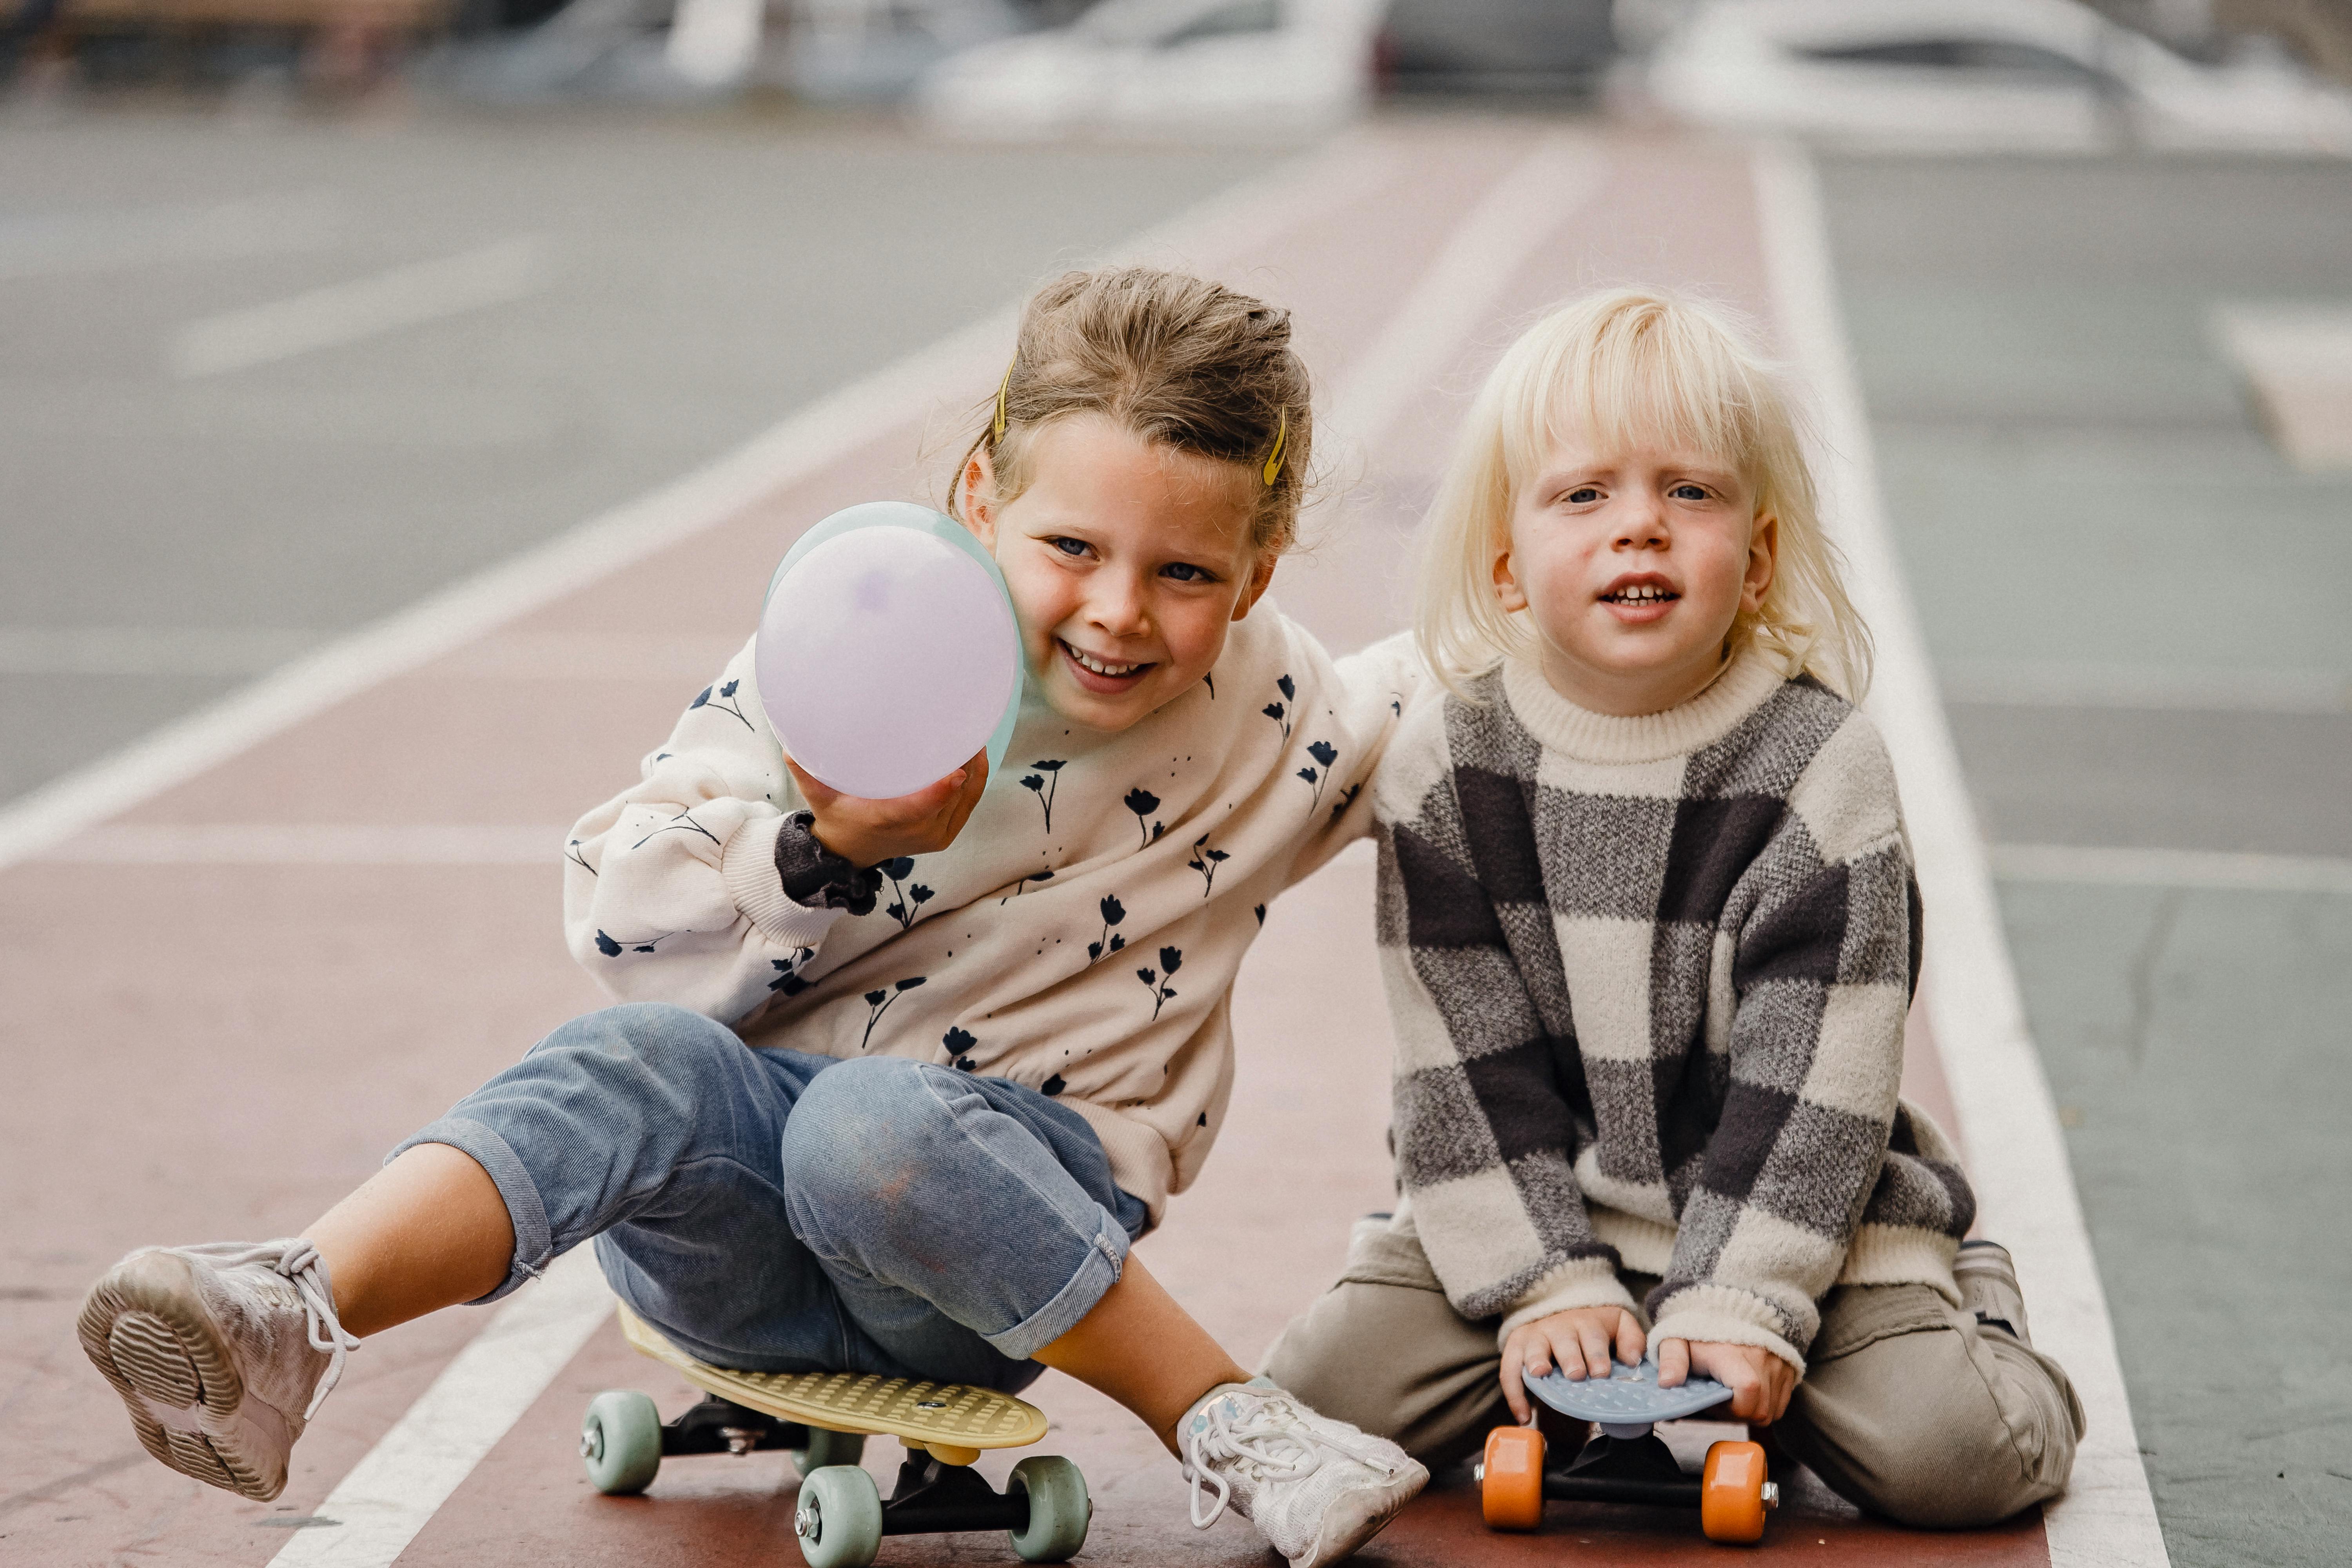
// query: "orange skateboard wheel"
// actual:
[[1510, 1485], [1731, 1493]]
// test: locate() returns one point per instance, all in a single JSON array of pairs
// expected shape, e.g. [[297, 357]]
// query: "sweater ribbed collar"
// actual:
[[1700, 721]]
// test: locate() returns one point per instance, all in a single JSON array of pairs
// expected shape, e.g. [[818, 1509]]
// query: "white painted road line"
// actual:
[[389, 1495], [2204, 870], [1453, 301], [311, 844], [2026, 1195], [364, 307]]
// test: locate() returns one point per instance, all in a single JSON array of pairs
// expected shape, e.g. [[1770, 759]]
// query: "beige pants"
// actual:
[[1908, 1409]]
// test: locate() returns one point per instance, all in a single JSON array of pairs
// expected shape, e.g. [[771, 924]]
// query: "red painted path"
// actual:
[[204, 1050]]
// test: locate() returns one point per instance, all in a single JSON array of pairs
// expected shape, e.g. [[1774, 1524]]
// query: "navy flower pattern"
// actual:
[[1144, 802], [788, 979], [958, 1044], [1280, 712], [909, 899], [1171, 959], [1044, 782], [682, 823], [612, 947], [1206, 860], [1325, 754], [1113, 912], [722, 699], [878, 1003]]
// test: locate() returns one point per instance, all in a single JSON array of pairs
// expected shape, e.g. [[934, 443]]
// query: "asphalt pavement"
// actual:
[[2133, 601], [2136, 604], [642, 295]]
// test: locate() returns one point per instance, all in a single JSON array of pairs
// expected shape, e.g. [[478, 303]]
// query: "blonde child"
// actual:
[[895, 1084], [1650, 932]]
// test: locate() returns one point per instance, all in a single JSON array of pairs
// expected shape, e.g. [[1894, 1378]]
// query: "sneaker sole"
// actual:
[[144, 1328], [1376, 1508]]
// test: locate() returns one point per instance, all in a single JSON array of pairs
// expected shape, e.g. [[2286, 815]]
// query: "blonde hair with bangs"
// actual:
[[1623, 369]]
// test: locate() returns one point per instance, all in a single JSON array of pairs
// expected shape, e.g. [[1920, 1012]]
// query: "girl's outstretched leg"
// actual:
[[427, 1231], [1146, 1352], [645, 1116]]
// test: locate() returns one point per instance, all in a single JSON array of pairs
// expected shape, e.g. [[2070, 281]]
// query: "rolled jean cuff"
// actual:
[[534, 1242], [1106, 1257]]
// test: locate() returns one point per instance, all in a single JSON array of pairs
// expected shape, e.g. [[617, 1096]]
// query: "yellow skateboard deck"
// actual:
[[952, 1420]]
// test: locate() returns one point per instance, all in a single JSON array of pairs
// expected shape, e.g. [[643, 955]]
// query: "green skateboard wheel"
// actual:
[[1059, 1509], [621, 1442], [839, 1520]]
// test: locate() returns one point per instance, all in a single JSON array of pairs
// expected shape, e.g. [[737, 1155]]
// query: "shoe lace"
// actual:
[[1269, 1441], [299, 1262]]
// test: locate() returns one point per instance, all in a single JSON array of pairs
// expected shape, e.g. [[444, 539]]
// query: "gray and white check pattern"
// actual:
[[1649, 978]]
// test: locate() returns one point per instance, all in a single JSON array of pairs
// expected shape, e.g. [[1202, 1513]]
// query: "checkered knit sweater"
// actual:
[[1649, 978]]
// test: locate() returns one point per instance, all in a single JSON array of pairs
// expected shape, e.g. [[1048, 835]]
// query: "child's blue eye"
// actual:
[[1185, 572], [1068, 546], [1689, 493], [1582, 494]]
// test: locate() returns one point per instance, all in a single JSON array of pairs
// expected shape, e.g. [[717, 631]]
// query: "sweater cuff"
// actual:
[[748, 867], [1723, 1314], [1901, 1255], [1579, 1282]]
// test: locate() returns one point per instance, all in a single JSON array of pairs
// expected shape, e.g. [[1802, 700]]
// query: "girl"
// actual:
[[896, 1083], [1650, 932]]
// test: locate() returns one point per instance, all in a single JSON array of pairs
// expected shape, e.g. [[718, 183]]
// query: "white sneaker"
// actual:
[[219, 1352], [1317, 1488]]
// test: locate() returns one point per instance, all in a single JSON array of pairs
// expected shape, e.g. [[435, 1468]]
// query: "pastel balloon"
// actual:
[[887, 654]]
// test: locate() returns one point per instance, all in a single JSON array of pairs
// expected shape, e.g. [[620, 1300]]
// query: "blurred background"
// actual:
[[312, 308]]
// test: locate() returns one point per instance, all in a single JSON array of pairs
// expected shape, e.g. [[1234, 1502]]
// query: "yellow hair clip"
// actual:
[[1002, 388], [1273, 470]]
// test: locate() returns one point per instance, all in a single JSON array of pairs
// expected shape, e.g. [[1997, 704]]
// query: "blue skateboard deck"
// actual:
[[1628, 1397]]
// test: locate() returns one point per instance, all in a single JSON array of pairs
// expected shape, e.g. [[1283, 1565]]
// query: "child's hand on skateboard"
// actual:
[[1579, 1342], [1761, 1382], [868, 832]]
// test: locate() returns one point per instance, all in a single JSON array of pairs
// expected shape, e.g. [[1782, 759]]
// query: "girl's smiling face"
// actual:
[[1633, 567], [1127, 561]]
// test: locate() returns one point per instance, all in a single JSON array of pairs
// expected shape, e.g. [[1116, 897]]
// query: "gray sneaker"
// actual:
[[218, 1352], [1317, 1488], [1987, 1277]]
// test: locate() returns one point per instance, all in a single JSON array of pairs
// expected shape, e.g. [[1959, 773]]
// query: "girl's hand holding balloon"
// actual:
[[868, 832]]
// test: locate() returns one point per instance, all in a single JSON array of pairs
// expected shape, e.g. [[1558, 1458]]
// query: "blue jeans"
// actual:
[[777, 1211]]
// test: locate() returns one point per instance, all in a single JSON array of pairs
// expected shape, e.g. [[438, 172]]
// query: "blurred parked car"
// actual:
[[1518, 48], [1982, 73], [639, 50], [1193, 68], [844, 51]]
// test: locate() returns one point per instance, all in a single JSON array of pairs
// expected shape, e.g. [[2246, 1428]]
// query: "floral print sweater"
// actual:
[[1081, 935]]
